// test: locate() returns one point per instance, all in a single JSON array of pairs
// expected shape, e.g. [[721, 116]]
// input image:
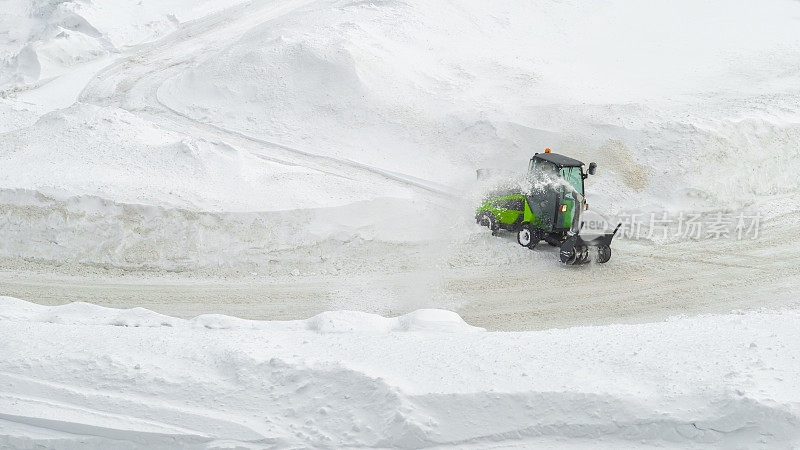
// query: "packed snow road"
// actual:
[[491, 282], [275, 159]]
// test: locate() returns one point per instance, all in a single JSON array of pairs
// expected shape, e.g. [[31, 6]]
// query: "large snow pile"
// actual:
[[106, 378], [437, 89], [182, 171], [299, 105], [42, 39]]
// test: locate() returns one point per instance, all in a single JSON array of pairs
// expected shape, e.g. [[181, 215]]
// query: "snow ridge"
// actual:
[[127, 378]]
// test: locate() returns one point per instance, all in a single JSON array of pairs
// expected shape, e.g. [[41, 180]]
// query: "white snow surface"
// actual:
[[707, 100], [43, 39], [328, 148], [298, 105], [102, 377]]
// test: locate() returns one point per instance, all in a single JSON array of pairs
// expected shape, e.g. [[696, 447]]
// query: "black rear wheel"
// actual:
[[487, 219]]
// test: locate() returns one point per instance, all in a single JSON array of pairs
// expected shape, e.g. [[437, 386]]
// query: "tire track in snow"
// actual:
[[321, 160], [79, 410], [152, 64]]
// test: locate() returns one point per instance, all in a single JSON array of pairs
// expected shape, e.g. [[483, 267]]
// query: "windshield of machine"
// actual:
[[543, 174], [538, 167], [574, 177]]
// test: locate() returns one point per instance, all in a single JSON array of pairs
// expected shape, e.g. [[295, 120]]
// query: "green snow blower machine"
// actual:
[[550, 210]]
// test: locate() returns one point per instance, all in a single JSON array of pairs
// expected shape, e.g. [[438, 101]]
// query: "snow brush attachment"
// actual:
[[576, 250]]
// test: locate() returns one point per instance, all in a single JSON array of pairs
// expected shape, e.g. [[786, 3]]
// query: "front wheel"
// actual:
[[528, 237]]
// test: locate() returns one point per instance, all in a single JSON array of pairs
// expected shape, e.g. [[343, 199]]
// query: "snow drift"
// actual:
[[43, 39], [92, 230], [392, 85], [103, 377], [113, 154], [302, 105]]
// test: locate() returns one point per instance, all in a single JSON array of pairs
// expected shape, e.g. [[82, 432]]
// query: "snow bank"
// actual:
[[81, 313], [125, 378], [95, 231], [325, 106], [659, 99], [114, 154], [42, 39]]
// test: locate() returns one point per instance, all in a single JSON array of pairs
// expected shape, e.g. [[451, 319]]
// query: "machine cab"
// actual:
[[558, 191]]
